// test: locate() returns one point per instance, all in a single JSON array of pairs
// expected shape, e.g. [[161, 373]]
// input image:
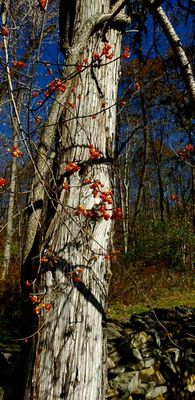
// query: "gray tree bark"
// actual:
[[69, 349], [4, 269], [143, 173], [10, 213]]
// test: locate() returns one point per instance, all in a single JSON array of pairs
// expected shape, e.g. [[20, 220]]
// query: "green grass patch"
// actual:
[[166, 299], [121, 311], [185, 297]]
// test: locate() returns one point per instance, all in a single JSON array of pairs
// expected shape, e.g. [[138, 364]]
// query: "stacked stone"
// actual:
[[152, 356]]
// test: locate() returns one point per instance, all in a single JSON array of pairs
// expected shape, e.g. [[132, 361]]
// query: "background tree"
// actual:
[[164, 214]]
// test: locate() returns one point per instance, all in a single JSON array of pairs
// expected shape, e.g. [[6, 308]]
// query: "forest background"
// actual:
[[153, 249]]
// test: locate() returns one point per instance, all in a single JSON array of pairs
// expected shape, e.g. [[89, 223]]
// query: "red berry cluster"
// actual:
[[96, 187], [87, 181], [46, 306], [71, 168], [103, 212], [76, 275], [28, 284], [93, 214], [3, 182], [96, 56], [94, 154], [49, 70], [4, 31], [38, 119], [35, 94], [42, 4], [106, 51], [49, 257], [117, 214], [66, 186], [79, 67], [15, 151], [126, 53], [34, 299], [99, 211], [55, 85], [122, 102], [81, 210], [106, 196], [38, 305], [137, 86], [186, 153], [19, 64]]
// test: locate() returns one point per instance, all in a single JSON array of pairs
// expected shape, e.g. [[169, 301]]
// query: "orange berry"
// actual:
[[34, 299]]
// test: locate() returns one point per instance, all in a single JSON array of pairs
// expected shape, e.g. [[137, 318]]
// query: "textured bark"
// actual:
[[69, 350], [4, 269], [10, 212], [82, 33], [124, 186], [139, 199]]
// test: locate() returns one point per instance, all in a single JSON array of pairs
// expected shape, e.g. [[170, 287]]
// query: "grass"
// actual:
[[121, 311], [161, 290], [176, 298], [166, 299]]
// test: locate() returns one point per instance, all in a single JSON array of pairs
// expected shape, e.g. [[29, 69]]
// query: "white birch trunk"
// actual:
[[177, 46]]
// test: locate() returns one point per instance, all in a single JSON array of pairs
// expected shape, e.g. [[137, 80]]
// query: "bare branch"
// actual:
[[176, 44]]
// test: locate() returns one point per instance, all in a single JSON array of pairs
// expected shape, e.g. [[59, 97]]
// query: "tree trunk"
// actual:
[[139, 199], [4, 269], [10, 212], [124, 183], [158, 159], [69, 351]]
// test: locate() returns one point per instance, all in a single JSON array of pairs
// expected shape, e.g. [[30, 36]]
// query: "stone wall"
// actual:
[[152, 356]]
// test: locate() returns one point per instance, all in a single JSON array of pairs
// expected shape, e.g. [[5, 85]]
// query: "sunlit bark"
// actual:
[[70, 348]]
